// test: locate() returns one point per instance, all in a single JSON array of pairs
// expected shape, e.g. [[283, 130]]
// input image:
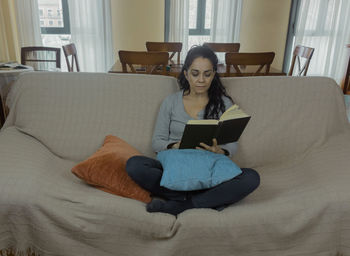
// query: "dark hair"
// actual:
[[216, 89]]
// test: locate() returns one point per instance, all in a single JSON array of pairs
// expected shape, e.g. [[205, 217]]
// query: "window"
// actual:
[[199, 21], [55, 30], [200, 17], [41, 13], [316, 24], [194, 22], [61, 26]]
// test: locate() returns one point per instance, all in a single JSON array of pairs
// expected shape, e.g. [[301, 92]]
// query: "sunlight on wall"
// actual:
[[264, 27], [9, 50], [135, 22]]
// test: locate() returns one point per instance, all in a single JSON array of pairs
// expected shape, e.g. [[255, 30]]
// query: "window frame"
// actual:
[[293, 17], [320, 30], [66, 24], [200, 29]]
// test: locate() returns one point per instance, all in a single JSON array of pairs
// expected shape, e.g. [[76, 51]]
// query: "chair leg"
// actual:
[[2, 112]]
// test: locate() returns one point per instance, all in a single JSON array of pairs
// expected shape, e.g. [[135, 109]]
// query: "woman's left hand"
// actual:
[[214, 148]]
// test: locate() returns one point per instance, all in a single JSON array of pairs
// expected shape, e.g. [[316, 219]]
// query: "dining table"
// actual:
[[9, 73], [174, 70]]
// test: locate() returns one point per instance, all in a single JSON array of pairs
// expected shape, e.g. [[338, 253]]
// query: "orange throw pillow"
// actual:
[[105, 170]]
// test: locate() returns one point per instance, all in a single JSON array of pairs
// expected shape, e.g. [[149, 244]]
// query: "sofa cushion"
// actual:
[[71, 113], [105, 169], [289, 116], [193, 169]]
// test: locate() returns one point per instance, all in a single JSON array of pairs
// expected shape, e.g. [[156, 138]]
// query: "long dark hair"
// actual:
[[216, 90]]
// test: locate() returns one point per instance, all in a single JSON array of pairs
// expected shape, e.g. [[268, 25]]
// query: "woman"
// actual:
[[202, 96]]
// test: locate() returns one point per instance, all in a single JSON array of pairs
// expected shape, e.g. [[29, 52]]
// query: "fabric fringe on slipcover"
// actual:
[[15, 252]]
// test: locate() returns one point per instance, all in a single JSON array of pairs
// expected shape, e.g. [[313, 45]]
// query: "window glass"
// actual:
[[201, 32], [329, 16], [312, 16], [56, 18], [208, 8], [55, 29], [193, 14]]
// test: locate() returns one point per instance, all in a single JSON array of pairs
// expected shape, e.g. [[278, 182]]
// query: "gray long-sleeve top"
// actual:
[[171, 122]]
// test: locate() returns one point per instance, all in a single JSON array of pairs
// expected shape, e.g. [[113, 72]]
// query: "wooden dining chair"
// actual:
[[346, 80], [240, 61], [69, 50], [41, 58], [171, 47], [144, 62], [2, 111], [223, 47], [301, 53]]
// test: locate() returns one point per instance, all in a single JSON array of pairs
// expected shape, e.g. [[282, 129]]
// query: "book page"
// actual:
[[232, 113], [203, 121]]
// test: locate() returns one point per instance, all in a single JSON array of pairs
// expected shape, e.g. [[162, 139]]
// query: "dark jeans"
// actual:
[[147, 172]]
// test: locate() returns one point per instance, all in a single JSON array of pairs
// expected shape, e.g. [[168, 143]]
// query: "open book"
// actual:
[[227, 129]]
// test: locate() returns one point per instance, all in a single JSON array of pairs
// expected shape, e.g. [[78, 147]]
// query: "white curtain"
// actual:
[[91, 32], [325, 26], [225, 20], [28, 23], [179, 24]]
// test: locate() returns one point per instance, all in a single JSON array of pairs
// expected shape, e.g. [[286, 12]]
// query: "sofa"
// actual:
[[298, 139]]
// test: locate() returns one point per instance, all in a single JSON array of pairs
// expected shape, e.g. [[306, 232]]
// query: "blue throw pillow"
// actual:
[[194, 169]]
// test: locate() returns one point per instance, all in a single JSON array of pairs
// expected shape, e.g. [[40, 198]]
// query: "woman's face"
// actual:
[[200, 75]]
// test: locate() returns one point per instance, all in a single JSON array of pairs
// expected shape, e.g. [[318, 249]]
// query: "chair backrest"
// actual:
[[240, 60], [41, 57], [144, 62], [2, 111], [224, 47], [346, 79], [70, 50], [299, 53], [170, 47]]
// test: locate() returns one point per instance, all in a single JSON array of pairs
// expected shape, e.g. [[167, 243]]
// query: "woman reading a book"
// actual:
[[202, 96]]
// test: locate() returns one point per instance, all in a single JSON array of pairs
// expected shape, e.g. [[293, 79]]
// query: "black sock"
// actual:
[[171, 206]]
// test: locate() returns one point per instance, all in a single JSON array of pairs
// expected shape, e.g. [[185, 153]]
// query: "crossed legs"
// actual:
[[147, 172]]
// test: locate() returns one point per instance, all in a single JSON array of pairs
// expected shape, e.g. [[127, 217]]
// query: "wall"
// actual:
[[264, 27], [135, 22]]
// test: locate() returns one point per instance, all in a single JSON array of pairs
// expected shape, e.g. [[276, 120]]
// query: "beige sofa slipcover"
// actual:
[[298, 139]]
